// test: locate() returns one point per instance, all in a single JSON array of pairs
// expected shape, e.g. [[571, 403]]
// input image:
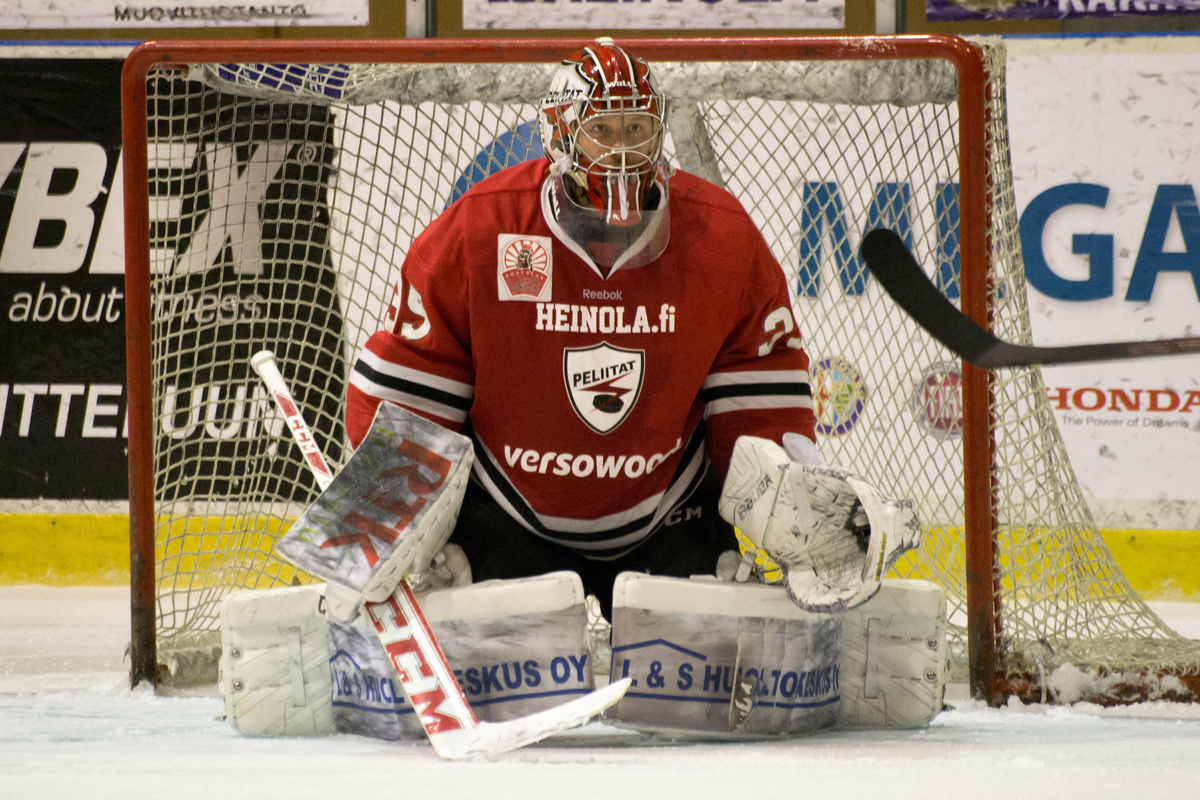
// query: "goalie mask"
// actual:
[[602, 130]]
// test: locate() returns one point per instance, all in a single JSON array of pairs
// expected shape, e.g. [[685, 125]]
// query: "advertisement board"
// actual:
[[62, 287], [1106, 165], [658, 15], [57, 14], [1104, 156], [961, 10], [63, 400]]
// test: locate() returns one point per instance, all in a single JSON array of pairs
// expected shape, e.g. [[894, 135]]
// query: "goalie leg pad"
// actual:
[[721, 660], [895, 659], [516, 646], [274, 669], [288, 668]]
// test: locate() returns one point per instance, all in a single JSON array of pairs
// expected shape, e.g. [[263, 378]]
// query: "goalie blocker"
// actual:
[[387, 514]]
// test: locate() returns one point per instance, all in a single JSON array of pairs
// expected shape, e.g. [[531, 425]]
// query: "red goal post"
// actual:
[[354, 147]]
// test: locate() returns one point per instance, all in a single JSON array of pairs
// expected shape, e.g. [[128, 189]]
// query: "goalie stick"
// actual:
[[425, 675], [902, 277]]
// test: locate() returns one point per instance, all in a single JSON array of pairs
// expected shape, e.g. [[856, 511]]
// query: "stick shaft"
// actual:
[[424, 673], [265, 365], [425, 676]]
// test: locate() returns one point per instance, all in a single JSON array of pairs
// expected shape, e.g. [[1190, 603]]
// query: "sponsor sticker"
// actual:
[[936, 401], [524, 267], [839, 395], [603, 383]]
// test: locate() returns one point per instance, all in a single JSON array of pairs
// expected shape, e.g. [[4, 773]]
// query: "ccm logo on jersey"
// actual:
[[524, 267], [603, 382]]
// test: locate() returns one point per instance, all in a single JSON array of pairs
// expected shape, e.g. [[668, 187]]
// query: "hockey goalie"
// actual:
[[617, 345]]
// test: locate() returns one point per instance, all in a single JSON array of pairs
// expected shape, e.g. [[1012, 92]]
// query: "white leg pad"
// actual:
[[895, 660], [289, 668], [274, 670], [733, 660], [711, 659], [516, 647]]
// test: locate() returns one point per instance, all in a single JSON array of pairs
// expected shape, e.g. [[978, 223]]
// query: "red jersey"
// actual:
[[594, 402]]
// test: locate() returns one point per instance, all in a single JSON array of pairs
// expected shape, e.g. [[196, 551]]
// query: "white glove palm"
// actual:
[[830, 530]]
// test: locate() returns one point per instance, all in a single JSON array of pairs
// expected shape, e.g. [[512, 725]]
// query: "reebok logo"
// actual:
[[603, 294]]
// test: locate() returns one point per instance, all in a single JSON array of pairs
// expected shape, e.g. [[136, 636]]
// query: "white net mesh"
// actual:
[[284, 199]]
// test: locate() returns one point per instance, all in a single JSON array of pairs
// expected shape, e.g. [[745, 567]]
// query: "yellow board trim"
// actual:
[[64, 549], [93, 550], [1160, 565]]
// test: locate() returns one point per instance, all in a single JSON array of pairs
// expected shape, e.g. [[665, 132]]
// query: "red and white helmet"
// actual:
[[602, 127]]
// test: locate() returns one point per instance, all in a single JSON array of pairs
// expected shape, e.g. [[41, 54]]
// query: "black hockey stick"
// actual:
[[902, 277]]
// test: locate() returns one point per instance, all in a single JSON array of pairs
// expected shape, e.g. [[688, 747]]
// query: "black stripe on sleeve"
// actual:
[[755, 390], [413, 388]]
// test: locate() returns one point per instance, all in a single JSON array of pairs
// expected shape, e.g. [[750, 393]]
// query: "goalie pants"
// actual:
[[688, 542]]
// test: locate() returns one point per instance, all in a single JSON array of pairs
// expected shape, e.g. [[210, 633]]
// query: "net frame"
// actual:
[[991, 284]]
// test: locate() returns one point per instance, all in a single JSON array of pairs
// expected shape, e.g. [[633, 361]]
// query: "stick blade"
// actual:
[[490, 739]]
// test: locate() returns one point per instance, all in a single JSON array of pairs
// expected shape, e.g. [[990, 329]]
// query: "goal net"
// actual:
[[272, 201]]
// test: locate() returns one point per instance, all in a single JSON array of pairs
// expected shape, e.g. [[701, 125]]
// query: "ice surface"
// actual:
[[70, 727]]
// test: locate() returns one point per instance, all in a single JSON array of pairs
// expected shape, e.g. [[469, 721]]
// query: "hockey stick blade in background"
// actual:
[[425, 675], [902, 277]]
